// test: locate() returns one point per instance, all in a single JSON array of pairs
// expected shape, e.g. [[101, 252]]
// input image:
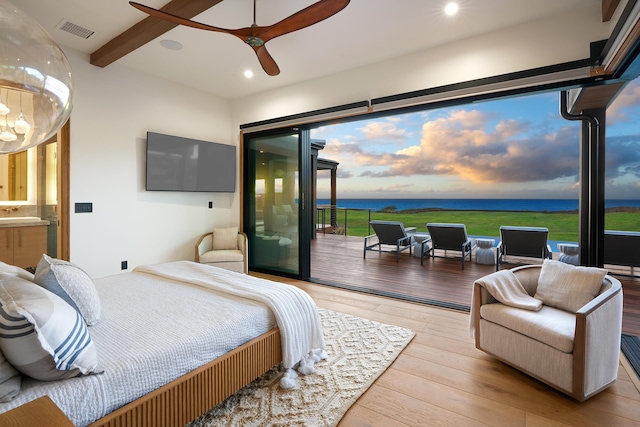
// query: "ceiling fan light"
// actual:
[[4, 110], [21, 125], [451, 8]]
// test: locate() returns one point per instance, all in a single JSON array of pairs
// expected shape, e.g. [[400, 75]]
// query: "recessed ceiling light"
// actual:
[[171, 44], [451, 8], [248, 74]]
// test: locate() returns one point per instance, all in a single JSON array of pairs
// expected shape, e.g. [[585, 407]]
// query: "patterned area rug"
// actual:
[[359, 351]]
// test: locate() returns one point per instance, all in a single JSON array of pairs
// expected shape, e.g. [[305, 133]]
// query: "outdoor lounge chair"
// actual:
[[530, 242], [390, 233], [622, 248], [450, 237]]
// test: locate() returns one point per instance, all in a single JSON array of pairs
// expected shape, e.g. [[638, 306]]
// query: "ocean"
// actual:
[[537, 205]]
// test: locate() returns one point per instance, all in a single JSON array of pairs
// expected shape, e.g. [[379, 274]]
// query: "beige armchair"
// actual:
[[225, 248], [575, 351]]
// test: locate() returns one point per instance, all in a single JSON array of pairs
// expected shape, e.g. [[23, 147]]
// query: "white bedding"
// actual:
[[295, 312], [152, 331]]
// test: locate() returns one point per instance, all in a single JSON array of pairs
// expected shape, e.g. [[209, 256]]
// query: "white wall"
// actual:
[[563, 38], [113, 109]]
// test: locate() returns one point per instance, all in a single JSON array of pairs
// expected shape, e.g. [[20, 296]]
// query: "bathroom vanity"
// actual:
[[23, 240]]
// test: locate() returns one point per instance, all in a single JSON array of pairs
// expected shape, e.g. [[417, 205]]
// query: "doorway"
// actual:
[[276, 184]]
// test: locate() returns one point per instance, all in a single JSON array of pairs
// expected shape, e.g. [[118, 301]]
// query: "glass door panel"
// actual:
[[271, 197]]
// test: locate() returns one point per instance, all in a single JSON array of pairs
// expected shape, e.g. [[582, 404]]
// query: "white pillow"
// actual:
[[70, 283], [43, 336], [566, 286], [15, 271], [225, 238]]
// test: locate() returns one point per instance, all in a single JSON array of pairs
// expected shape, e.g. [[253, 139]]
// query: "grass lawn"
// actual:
[[562, 226]]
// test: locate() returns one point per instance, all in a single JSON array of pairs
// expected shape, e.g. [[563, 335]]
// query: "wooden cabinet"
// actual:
[[23, 246]]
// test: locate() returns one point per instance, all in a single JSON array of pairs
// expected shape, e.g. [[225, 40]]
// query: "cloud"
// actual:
[[464, 144], [627, 100], [384, 130], [622, 156]]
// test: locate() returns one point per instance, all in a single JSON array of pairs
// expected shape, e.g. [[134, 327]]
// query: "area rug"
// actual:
[[359, 351]]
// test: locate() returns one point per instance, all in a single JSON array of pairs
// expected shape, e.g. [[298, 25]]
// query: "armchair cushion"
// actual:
[[568, 287], [550, 326], [225, 238], [224, 255]]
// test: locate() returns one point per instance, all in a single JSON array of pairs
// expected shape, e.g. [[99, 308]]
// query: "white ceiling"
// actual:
[[366, 32]]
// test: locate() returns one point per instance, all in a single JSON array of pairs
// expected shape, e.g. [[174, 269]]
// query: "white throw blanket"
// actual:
[[504, 286], [295, 312]]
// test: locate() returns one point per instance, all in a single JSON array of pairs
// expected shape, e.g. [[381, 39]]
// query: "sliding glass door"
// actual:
[[275, 178]]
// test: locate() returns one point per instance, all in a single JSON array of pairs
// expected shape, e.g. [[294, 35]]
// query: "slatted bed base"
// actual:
[[186, 398]]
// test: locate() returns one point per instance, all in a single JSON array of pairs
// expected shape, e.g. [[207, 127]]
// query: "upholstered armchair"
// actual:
[[225, 248], [570, 340]]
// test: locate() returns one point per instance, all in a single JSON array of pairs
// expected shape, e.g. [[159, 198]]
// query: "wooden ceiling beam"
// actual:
[[608, 8], [146, 30]]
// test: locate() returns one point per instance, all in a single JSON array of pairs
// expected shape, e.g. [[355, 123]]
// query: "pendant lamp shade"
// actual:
[[35, 81]]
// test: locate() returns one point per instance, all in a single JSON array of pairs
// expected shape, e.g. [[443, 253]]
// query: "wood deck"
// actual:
[[338, 260]]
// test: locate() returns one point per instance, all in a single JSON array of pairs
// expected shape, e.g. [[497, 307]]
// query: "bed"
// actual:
[[173, 342]]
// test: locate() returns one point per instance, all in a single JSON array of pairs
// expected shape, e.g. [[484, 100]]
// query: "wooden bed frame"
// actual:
[[186, 398]]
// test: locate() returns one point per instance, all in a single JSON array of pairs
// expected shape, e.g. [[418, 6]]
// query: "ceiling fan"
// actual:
[[256, 36]]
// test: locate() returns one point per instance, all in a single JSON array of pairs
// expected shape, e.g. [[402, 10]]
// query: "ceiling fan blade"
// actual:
[[304, 18], [266, 60], [242, 33]]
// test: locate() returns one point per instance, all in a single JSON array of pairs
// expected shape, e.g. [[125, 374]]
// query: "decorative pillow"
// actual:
[[15, 271], [568, 287], [9, 380], [225, 238], [41, 335], [70, 283]]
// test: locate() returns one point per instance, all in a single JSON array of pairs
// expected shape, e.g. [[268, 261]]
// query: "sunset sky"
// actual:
[[512, 148]]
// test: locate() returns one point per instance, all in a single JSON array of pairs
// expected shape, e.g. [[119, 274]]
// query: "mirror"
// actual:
[[13, 177]]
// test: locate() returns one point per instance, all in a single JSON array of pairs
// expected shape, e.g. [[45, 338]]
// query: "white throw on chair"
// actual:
[[225, 248]]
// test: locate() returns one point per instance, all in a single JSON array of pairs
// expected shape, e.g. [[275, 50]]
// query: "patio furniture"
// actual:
[[420, 244], [622, 248], [389, 233], [529, 242], [572, 342], [569, 253], [450, 237], [484, 253]]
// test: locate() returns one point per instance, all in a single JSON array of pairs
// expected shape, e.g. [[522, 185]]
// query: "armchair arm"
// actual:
[[597, 341], [243, 246], [205, 244]]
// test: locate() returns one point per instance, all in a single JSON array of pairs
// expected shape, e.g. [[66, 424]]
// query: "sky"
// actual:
[[512, 148]]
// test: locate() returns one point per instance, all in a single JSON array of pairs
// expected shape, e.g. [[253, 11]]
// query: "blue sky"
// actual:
[[511, 148]]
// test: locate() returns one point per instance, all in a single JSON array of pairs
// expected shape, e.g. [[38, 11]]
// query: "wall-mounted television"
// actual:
[[182, 164]]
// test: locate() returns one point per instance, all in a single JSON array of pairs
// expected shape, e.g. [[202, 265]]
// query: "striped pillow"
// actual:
[[41, 335]]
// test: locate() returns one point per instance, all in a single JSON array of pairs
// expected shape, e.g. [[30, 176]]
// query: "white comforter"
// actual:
[[296, 313]]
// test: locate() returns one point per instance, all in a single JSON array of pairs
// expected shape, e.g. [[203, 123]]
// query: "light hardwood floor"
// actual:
[[441, 379]]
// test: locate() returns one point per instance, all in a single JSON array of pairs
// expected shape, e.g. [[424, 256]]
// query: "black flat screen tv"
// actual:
[[182, 164]]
